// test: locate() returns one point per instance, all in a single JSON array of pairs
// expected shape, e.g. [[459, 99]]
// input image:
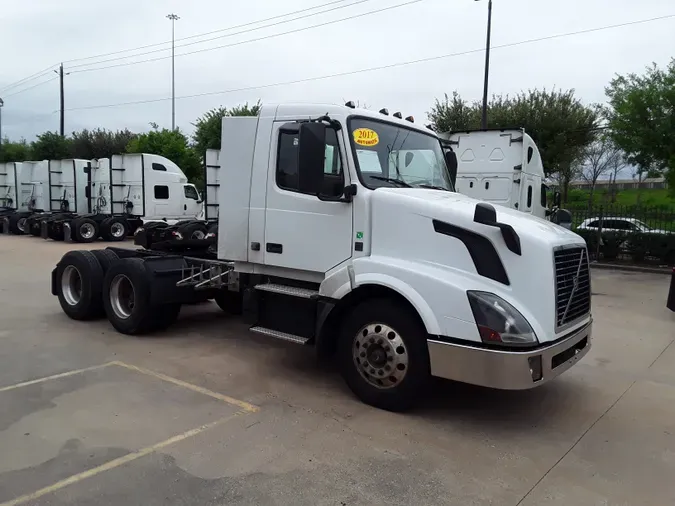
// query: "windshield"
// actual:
[[392, 156]]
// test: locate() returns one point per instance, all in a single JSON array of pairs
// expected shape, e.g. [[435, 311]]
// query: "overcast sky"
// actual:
[[37, 33]]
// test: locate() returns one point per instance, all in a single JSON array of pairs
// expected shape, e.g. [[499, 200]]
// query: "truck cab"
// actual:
[[347, 205], [9, 182], [500, 166]]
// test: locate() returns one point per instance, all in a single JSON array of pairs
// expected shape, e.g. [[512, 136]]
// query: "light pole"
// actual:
[[1, 104], [173, 19], [484, 122]]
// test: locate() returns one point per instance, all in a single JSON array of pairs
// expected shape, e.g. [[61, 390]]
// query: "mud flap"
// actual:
[[43, 230], [4, 225], [67, 237], [54, 292]]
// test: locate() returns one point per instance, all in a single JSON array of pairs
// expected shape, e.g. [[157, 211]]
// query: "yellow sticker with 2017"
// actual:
[[366, 137]]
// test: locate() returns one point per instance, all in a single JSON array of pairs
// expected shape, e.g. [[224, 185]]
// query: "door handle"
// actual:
[[184, 207], [273, 247]]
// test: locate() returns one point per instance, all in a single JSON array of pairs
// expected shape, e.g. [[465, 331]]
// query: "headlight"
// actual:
[[500, 322]]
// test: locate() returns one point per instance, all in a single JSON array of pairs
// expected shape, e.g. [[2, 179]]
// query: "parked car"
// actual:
[[617, 224]]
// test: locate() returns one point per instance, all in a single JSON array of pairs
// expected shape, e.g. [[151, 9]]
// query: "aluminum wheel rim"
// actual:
[[122, 296], [21, 224], [380, 355], [117, 230], [198, 234], [71, 285], [87, 230]]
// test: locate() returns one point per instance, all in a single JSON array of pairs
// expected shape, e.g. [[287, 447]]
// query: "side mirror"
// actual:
[[311, 156], [451, 162], [556, 199], [563, 218]]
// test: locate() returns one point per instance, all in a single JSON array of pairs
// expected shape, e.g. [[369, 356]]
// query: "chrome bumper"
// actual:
[[508, 369]]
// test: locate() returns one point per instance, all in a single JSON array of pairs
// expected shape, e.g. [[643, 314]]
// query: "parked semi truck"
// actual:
[[9, 184], [327, 238], [164, 236], [32, 190], [122, 193]]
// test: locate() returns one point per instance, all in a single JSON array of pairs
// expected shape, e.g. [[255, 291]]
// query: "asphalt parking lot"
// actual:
[[206, 413]]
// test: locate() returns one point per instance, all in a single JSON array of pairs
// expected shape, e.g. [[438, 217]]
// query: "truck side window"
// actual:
[[287, 164], [161, 192], [158, 166], [543, 195], [529, 196], [191, 192]]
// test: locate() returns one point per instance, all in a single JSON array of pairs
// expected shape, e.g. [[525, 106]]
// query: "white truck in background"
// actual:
[[32, 190], [9, 187], [504, 167], [120, 194], [328, 238]]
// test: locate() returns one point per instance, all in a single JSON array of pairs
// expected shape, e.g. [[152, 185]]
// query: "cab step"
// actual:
[[279, 335], [291, 291]]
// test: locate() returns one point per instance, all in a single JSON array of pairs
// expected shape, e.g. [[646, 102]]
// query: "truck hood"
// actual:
[[406, 225], [436, 203]]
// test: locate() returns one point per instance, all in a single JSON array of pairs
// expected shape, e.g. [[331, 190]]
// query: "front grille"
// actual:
[[573, 285]]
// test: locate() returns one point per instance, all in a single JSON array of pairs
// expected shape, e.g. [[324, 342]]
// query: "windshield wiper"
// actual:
[[432, 187], [399, 182]]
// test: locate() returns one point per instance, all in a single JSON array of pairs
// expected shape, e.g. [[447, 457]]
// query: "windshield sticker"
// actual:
[[366, 137]]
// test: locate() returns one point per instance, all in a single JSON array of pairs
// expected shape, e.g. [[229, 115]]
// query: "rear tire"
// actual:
[[126, 297], [17, 224], [106, 258], [114, 229], [79, 283], [383, 354], [193, 230], [85, 230]]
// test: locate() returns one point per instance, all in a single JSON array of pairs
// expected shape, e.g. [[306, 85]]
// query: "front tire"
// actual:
[[383, 354], [126, 297]]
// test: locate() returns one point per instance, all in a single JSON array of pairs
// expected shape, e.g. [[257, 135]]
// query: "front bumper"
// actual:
[[508, 369]]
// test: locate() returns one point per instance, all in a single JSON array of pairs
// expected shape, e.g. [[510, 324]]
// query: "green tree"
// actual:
[[209, 127], [641, 119], [100, 143], [14, 151], [51, 146], [560, 124], [171, 144]]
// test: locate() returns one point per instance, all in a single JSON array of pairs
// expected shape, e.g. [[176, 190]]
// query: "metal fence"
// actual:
[[635, 234]]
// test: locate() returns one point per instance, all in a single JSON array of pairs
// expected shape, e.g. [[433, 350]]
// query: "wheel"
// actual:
[[105, 258], [114, 229], [17, 224], [85, 230], [126, 297], [105, 229], [383, 354], [34, 226], [80, 279], [118, 229], [193, 230], [230, 302]]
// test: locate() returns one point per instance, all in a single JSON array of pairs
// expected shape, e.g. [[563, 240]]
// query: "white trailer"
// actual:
[[330, 236]]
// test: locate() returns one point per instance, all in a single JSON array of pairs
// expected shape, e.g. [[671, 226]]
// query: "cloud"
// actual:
[[43, 32]]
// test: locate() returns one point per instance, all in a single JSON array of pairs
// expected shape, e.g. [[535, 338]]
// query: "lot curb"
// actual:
[[632, 268]]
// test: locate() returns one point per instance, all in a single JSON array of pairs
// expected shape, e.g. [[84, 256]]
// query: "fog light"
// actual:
[[535, 367]]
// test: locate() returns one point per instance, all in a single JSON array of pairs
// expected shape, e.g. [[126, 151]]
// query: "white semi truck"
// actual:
[[339, 228], [9, 187], [83, 200]]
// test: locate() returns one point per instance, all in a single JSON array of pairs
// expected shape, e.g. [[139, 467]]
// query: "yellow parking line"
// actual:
[[230, 400], [55, 376], [118, 462]]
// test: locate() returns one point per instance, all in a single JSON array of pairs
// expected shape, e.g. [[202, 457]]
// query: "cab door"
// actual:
[[301, 231], [191, 201]]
